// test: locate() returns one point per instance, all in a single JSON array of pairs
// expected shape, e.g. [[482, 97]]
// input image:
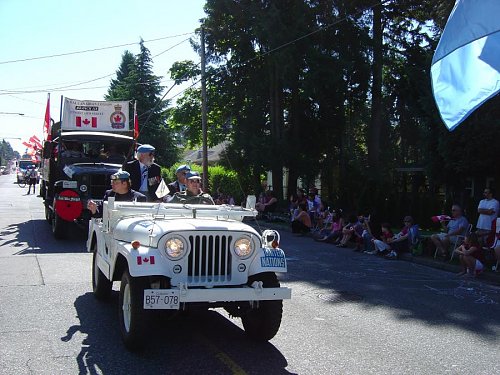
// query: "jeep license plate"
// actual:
[[161, 299]]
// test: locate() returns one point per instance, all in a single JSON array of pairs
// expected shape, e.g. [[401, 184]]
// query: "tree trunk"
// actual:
[[276, 115], [376, 110]]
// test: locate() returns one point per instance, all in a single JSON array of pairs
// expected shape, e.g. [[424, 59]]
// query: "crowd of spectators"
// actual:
[[310, 215]]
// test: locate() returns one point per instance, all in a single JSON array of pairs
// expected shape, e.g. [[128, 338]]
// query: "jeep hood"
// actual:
[[140, 228]]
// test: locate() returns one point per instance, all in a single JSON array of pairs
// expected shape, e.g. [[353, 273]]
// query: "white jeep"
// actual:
[[172, 256]]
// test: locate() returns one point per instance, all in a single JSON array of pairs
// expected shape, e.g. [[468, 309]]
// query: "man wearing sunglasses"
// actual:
[[145, 174], [193, 193], [179, 185], [120, 190]]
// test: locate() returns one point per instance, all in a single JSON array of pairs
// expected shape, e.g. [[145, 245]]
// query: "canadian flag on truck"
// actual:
[[84, 121]]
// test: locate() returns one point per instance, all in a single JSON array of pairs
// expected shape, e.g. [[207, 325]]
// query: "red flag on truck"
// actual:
[[46, 122], [136, 122]]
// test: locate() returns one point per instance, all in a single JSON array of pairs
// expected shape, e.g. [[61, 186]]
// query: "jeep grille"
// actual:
[[210, 259]]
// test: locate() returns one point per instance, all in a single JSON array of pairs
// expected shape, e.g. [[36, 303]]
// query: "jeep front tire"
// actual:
[[133, 319], [263, 322]]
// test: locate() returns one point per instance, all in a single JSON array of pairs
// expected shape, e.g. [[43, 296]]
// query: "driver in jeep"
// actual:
[[193, 193], [120, 190]]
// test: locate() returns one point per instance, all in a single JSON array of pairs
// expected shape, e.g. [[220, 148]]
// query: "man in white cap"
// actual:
[[193, 193], [145, 174], [120, 190]]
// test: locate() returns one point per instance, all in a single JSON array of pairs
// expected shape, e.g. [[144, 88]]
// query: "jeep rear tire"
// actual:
[[59, 227], [262, 323], [133, 318], [101, 286]]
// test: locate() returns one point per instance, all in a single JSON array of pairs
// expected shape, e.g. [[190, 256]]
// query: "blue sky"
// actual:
[[34, 28]]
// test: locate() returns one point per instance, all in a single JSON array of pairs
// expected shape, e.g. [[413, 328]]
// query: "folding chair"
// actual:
[[496, 241], [460, 238], [414, 239]]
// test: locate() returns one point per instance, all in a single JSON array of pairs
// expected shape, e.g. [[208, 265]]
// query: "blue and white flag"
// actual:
[[465, 70]]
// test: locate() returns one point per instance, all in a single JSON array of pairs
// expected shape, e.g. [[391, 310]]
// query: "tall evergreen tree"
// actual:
[[135, 81]]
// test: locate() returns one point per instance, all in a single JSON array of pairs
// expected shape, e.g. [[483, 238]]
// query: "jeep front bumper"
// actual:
[[170, 299]]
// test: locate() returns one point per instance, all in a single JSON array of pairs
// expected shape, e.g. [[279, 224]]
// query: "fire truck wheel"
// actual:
[[133, 318], [261, 323], [100, 284], [59, 227]]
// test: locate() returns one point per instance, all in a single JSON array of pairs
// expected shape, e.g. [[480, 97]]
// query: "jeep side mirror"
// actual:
[[47, 150]]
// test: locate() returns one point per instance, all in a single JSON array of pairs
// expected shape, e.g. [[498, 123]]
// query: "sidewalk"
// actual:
[[429, 261]]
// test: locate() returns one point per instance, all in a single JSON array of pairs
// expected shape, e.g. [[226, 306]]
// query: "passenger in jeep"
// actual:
[[120, 190], [193, 193]]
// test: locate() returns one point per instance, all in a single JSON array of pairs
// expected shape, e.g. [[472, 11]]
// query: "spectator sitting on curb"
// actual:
[[302, 223], [353, 229], [399, 242], [366, 234], [471, 256], [382, 245], [335, 231]]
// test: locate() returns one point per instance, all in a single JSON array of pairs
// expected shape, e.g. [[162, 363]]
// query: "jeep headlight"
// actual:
[[175, 248], [243, 247]]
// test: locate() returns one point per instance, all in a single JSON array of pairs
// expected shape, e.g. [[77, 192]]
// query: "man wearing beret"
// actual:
[[145, 174], [179, 184], [120, 190], [193, 193]]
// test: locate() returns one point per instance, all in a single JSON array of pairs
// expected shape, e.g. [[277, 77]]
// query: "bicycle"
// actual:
[[24, 181]]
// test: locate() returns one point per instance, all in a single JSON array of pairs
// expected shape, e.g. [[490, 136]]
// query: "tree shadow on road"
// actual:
[[411, 292], [35, 237], [200, 342]]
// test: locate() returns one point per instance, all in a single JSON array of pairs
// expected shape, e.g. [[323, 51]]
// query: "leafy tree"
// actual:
[[6, 152], [336, 88]]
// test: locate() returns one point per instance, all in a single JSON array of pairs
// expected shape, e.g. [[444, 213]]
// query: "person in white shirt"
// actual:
[[488, 211]]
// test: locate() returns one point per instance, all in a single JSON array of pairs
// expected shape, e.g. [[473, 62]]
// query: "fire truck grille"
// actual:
[[210, 259]]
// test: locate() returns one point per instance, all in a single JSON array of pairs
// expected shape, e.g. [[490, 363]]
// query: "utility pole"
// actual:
[[204, 111]]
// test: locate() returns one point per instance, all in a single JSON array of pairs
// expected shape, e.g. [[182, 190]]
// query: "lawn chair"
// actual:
[[414, 240], [495, 242], [459, 240]]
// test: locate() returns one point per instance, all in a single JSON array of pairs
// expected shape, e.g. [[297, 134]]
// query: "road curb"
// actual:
[[488, 275]]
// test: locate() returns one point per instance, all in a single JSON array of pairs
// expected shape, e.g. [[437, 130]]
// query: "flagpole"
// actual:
[[60, 115]]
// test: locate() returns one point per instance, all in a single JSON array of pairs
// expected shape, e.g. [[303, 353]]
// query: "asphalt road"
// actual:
[[350, 313]]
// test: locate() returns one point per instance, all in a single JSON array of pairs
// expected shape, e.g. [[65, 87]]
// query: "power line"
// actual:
[[169, 48], [323, 28], [83, 82], [89, 50]]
